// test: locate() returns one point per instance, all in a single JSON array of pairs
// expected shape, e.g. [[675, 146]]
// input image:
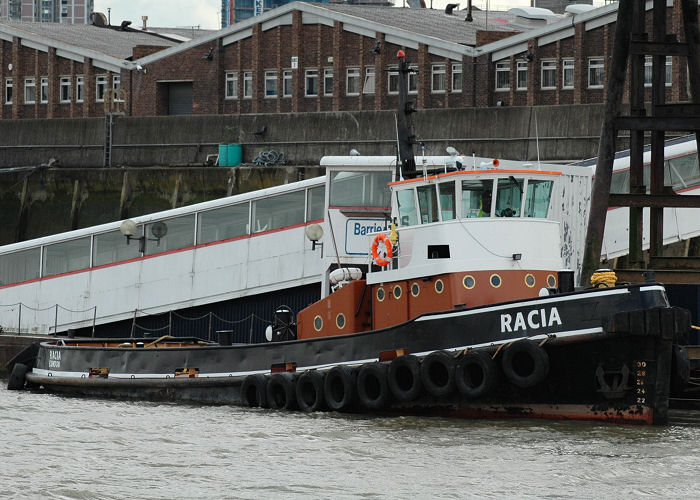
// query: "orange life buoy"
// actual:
[[381, 261]]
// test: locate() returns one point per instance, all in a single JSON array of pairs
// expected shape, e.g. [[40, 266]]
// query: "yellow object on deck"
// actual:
[[604, 277]]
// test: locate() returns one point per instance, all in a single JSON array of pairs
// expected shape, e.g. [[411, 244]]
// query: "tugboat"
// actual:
[[464, 310]]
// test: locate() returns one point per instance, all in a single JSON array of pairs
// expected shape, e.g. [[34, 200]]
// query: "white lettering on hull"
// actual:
[[532, 320]]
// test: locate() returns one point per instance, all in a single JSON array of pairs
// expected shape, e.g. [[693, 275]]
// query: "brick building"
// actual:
[[309, 57], [47, 11]]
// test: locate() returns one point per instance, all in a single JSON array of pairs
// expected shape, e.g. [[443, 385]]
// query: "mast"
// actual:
[[404, 124]]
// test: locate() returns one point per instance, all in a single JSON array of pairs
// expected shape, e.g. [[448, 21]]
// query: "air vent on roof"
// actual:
[[98, 19], [450, 7]]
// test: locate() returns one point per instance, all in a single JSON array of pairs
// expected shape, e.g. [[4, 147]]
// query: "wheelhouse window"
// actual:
[[29, 91], [447, 200], [438, 82], [509, 197], [368, 87], [352, 81], [231, 85], [521, 75], [270, 84], [537, 199], [502, 76], [223, 223], [476, 198], [169, 234], [66, 256], [567, 66], [315, 203], [456, 78], [20, 266], [360, 189], [113, 247], [549, 75], [65, 88], [278, 211], [328, 81], [596, 73], [247, 84], [408, 212], [427, 204], [287, 83], [311, 79]]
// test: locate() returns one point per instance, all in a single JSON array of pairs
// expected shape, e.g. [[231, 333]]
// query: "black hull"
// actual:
[[608, 350]]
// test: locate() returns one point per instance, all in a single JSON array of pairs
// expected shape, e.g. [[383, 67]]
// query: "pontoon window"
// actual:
[[19, 266], [447, 200], [427, 203], [683, 171], [408, 215], [112, 247], [316, 203], [278, 211], [223, 223], [476, 198], [537, 199], [509, 197], [66, 256], [170, 234], [360, 189]]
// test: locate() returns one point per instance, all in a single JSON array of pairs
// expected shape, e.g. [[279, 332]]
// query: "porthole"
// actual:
[[530, 280], [397, 291], [468, 282], [439, 286], [495, 280], [415, 289], [318, 323], [381, 294], [340, 321], [551, 281]]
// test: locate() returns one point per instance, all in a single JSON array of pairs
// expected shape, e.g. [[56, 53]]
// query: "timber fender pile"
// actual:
[[436, 378]]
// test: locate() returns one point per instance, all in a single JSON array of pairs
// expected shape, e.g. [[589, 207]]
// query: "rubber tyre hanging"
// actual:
[[339, 388], [372, 388], [253, 393], [476, 374], [525, 364], [309, 391], [16, 381], [281, 391], [404, 379], [437, 372]]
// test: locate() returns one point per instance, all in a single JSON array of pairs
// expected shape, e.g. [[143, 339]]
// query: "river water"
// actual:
[[72, 448]]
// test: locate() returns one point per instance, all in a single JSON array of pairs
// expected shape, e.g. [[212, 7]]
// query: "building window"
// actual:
[[29, 91], [100, 87], [352, 81], [393, 80], [287, 83], [567, 79], [413, 79], [79, 88], [65, 90], [328, 81], [548, 78], [502, 76], [311, 85], [44, 90], [231, 85], [521, 75], [247, 84], [368, 87], [456, 78], [437, 80], [270, 83], [596, 73], [648, 67], [8, 90]]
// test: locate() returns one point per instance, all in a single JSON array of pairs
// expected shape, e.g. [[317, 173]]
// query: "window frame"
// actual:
[[79, 88], [519, 65], [29, 82], [548, 71], [9, 90], [328, 81], [63, 82], [412, 83], [287, 78], [502, 69], [594, 68], [231, 85], [370, 80], [311, 75], [247, 85], [438, 72], [392, 78], [352, 80], [44, 90], [456, 70], [271, 76], [100, 83], [568, 66]]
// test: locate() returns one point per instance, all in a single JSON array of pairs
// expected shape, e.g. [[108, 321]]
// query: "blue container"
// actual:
[[235, 155], [223, 155]]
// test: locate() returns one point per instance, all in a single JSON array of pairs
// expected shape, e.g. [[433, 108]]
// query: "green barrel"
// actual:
[[235, 155], [223, 155]]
